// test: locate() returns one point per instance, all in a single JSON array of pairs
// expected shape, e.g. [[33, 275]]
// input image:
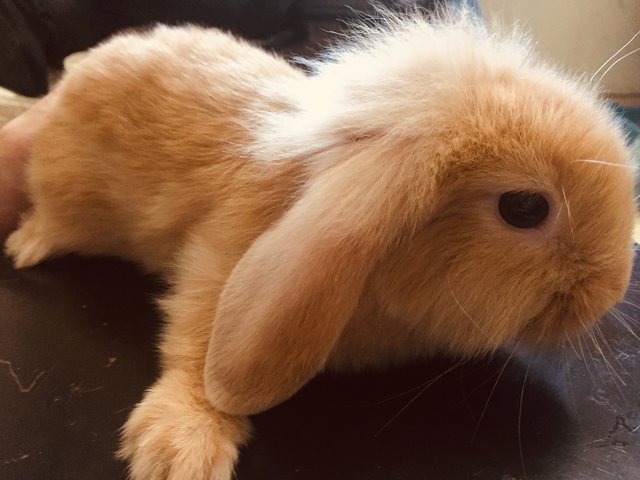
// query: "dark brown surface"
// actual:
[[79, 336]]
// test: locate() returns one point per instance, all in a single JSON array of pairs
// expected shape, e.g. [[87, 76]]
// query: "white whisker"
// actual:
[[631, 304], [627, 327], [469, 316], [613, 56], [559, 213], [608, 164], [606, 344], [424, 389], [618, 61], [614, 374], [524, 382], [584, 357], [566, 367], [572, 345], [423, 386], [569, 217], [486, 405]]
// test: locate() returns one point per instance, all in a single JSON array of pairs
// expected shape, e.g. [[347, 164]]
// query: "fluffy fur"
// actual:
[[344, 219]]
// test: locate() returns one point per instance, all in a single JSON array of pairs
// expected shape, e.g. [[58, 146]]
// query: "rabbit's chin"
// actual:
[[564, 318]]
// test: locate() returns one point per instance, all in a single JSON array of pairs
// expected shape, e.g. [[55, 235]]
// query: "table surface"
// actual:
[[77, 351]]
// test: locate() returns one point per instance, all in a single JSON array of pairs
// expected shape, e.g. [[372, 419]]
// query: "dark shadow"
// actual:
[[414, 422]]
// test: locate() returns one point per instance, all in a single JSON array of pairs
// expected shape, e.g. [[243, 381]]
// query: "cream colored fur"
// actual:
[[345, 219]]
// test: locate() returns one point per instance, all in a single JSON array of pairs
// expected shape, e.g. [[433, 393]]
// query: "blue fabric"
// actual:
[[631, 120]]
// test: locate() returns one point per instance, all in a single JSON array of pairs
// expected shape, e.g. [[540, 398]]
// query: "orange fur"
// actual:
[[346, 219]]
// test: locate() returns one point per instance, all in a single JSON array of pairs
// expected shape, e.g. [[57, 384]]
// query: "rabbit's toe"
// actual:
[[177, 435], [27, 246]]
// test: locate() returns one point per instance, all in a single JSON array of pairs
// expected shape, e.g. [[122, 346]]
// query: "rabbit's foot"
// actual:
[[28, 246], [175, 434]]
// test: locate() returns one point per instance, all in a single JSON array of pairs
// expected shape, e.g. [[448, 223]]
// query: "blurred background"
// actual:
[[582, 35]]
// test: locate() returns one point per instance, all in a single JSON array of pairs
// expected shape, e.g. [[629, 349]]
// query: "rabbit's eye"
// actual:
[[523, 209]]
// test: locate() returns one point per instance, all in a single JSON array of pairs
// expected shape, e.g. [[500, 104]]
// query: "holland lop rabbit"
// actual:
[[431, 186]]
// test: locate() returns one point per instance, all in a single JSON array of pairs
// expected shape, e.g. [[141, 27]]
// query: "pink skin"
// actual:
[[15, 141]]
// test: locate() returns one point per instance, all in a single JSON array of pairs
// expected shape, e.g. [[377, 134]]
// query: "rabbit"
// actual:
[[431, 186]]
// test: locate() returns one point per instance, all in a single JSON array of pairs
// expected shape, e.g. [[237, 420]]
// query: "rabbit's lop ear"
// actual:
[[290, 296]]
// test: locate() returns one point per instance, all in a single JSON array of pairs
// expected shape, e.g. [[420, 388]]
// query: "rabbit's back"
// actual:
[[147, 138]]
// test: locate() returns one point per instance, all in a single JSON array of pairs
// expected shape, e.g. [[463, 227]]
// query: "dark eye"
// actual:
[[523, 209]]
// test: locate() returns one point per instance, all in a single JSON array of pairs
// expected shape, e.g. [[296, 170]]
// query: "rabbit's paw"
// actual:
[[27, 245], [176, 435]]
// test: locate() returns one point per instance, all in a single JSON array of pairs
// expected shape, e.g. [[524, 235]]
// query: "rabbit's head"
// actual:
[[477, 194]]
